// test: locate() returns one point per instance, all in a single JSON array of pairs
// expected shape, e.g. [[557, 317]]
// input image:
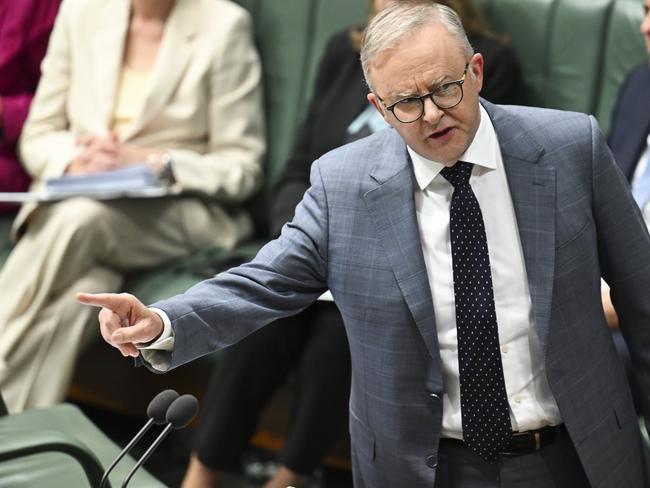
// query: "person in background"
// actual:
[[25, 28], [629, 140], [312, 343], [172, 84]]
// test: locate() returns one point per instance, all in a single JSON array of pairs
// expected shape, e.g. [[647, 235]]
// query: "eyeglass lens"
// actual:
[[411, 109]]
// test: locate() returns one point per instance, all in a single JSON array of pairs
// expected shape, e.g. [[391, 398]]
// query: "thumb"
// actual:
[[144, 330]]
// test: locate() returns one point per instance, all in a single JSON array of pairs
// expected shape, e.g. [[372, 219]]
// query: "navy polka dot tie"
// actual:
[[483, 398]]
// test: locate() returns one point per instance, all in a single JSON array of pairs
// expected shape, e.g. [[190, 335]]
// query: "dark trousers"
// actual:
[[554, 466], [314, 345]]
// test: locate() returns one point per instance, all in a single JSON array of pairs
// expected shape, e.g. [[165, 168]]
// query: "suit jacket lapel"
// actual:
[[532, 188], [533, 191], [173, 56], [108, 50], [392, 206]]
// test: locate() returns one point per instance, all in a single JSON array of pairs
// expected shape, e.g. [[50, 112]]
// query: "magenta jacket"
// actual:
[[25, 27]]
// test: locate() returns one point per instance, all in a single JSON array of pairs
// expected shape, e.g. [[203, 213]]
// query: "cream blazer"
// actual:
[[203, 102]]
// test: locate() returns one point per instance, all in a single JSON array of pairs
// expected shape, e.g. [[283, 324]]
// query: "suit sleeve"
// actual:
[[624, 250], [286, 276]]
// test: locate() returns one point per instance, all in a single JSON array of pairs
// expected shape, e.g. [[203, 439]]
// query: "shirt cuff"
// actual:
[[158, 353]]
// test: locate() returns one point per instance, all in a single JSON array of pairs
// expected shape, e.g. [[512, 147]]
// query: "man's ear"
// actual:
[[476, 67], [372, 98]]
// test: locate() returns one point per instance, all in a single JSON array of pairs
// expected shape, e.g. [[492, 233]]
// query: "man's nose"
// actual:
[[432, 113]]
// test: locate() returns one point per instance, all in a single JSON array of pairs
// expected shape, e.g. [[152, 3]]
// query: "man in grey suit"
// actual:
[[464, 248]]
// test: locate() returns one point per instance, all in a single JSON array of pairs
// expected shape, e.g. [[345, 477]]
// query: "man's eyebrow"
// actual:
[[430, 86], [439, 81], [404, 94]]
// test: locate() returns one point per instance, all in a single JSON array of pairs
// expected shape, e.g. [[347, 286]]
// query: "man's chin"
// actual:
[[443, 155]]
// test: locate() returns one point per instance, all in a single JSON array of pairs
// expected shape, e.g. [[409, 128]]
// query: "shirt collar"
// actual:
[[483, 151]]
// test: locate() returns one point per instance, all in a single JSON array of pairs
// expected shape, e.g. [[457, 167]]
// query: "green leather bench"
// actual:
[[574, 55], [59, 447]]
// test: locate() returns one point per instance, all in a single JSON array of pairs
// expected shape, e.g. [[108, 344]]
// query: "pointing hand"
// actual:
[[124, 321]]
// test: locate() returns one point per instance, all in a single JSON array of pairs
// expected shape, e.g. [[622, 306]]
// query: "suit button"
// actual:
[[431, 461], [434, 396]]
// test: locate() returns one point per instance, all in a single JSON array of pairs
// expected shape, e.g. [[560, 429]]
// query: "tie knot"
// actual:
[[458, 174]]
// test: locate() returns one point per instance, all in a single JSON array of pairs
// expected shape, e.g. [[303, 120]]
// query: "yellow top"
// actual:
[[131, 90]]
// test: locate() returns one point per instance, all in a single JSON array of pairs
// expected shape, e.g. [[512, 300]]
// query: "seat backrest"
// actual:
[[574, 53], [623, 50], [291, 36]]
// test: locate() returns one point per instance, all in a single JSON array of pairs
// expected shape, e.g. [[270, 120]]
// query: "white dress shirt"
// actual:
[[531, 402]]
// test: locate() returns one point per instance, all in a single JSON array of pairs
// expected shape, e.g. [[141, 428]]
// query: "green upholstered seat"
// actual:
[[623, 50], [574, 53], [59, 447]]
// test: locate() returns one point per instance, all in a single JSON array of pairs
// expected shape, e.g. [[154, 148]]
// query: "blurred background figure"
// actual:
[[174, 84], [629, 140], [25, 28], [313, 343], [630, 129]]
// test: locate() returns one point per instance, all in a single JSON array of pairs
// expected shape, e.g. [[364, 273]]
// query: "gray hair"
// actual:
[[395, 22]]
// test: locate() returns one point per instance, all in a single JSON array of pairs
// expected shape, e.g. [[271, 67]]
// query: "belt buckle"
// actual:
[[536, 437]]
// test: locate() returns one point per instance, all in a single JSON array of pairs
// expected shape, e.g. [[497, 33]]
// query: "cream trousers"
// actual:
[[86, 245]]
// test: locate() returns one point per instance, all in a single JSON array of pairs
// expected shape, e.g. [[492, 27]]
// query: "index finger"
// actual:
[[112, 301]]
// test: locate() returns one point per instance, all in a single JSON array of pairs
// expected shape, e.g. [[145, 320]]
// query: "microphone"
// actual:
[[157, 412], [180, 414]]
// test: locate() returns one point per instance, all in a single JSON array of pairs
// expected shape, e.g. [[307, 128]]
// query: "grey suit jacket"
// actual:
[[355, 232]]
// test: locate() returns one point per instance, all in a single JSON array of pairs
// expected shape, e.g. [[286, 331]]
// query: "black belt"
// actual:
[[527, 442]]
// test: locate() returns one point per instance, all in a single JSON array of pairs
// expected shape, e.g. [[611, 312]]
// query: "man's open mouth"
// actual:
[[441, 133]]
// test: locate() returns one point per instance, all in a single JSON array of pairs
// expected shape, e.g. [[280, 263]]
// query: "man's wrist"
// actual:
[[165, 339]]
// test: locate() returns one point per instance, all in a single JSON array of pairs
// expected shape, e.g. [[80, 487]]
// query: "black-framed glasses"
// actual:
[[446, 96]]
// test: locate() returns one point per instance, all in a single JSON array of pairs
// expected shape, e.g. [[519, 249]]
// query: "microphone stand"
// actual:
[[148, 453], [137, 437]]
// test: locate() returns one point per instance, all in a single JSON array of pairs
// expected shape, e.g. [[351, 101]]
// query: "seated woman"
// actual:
[[174, 84], [313, 343]]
